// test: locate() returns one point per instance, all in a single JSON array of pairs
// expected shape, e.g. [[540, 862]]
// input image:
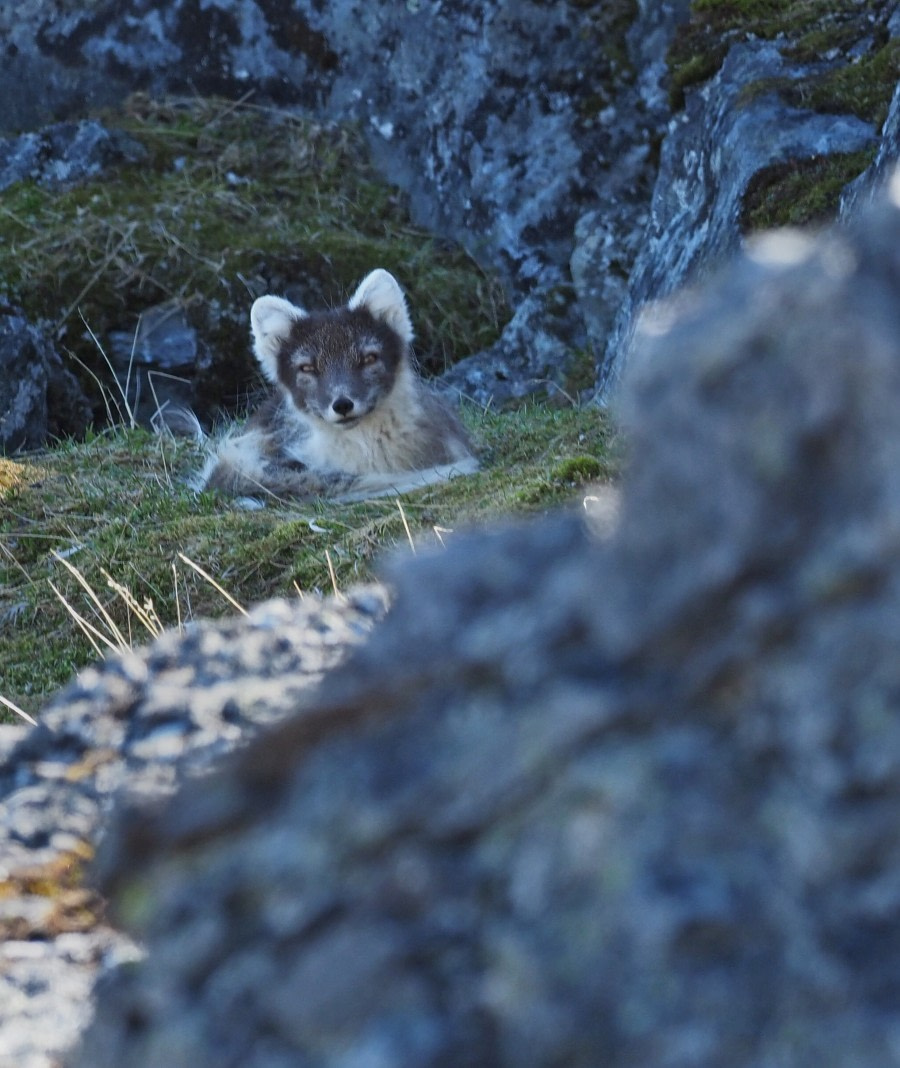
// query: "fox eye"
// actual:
[[368, 356], [307, 368]]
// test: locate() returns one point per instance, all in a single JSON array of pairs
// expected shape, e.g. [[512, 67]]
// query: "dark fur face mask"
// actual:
[[335, 366]]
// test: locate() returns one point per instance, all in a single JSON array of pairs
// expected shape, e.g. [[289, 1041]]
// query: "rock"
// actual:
[[106, 733], [155, 363], [46, 989], [39, 397], [870, 183], [65, 152], [532, 356], [620, 802], [724, 136]]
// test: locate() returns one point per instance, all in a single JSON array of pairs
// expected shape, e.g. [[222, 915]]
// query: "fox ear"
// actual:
[[271, 319], [380, 294]]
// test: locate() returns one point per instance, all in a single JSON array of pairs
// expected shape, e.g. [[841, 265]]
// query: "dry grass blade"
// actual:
[[18, 711], [90, 631], [106, 617], [215, 585], [177, 598], [409, 536], [334, 585], [97, 275], [145, 613], [123, 393]]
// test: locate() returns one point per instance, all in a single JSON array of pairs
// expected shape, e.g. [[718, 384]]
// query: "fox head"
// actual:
[[335, 365]]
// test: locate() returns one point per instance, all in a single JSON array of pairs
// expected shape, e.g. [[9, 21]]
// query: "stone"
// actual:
[[619, 801], [106, 733], [65, 153], [39, 397], [711, 151]]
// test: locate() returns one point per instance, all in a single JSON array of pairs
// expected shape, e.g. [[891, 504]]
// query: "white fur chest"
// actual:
[[387, 439]]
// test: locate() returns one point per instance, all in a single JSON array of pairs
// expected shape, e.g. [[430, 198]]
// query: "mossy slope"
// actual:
[[230, 202]]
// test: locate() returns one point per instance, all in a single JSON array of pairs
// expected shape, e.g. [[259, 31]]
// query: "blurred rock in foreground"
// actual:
[[633, 802]]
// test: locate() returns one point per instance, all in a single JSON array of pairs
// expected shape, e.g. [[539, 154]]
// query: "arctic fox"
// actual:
[[349, 416]]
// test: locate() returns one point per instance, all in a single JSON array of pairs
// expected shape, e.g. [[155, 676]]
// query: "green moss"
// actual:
[[578, 469], [232, 201], [800, 191], [807, 32], [863, 88], [117, 506]]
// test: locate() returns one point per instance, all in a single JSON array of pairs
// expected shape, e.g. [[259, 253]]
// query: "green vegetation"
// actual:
[[230, 202], [808, 31], [800, 191], [117, 508]]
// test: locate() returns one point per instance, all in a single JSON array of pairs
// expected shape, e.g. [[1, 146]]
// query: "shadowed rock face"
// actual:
[[39, 397], [622, 802]]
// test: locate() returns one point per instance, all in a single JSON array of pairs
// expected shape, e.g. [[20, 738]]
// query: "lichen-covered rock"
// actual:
[[39, 397], [730, 129], [137, 723], [65, 152], [628, 802]]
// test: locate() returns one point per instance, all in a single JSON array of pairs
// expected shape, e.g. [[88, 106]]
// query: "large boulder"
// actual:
[[627, 801], [131, 722]]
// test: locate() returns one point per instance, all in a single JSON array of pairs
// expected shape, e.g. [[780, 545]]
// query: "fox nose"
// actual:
[[342, 406]]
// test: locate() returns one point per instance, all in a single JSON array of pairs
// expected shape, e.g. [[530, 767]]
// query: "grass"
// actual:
[[101, 543], [116, 507]]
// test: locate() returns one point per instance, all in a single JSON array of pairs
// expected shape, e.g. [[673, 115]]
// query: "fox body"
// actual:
[[349, 416]]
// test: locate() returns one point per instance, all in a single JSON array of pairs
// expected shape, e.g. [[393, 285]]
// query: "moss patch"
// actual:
[[232, 201], [800, 192], [808, 31], [117, 508]]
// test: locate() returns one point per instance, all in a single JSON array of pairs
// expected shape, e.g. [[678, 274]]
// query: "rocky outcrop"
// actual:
[[39, 396], [137, 723], [499, 144], [726, 134], [540, 160], [620, 802]]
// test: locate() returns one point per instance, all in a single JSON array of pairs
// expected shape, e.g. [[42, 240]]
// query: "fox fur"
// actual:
[[348, 416]]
